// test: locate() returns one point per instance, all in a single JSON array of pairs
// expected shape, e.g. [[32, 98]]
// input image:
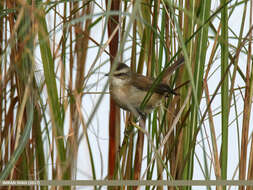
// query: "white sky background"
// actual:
[[98, 130]]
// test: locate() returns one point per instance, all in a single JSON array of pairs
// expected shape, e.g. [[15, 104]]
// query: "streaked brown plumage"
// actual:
[[128, 90]]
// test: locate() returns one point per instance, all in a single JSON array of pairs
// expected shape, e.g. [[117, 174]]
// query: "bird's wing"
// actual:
[[145, 83]]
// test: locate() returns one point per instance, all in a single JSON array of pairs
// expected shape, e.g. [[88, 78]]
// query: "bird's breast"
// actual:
[[120, 94], [128, 96]]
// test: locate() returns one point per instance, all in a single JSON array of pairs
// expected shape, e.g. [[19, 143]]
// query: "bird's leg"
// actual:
[[142, 114], [137, 112], [133, 111]]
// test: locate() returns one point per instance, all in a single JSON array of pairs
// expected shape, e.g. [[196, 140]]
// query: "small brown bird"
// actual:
[[128, 89]]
